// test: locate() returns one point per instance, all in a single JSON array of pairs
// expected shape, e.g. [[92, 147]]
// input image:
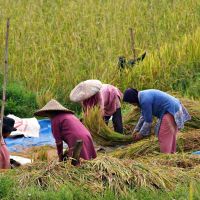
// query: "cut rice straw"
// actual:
[[98, 175], [101, 133], [186, 142], [105, 136]]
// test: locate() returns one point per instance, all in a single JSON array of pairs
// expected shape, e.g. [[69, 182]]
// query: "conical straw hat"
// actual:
[[85, 90], [52, 105]]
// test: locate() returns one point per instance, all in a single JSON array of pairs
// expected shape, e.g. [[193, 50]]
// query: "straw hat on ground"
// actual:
[[52, 105], [85, 90]]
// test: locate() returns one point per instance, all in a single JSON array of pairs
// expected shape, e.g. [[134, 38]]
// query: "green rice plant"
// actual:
[[19, 101]]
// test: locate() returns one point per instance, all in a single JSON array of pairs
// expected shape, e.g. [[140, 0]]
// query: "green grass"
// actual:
[[10, 191], [55, 44]]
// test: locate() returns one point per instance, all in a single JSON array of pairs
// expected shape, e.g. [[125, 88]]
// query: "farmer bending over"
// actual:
[[8, 127], [92, 93], [68, 128], [170, 112]]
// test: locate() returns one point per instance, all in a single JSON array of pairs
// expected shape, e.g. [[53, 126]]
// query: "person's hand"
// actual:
[[137, 136], [134, 133]]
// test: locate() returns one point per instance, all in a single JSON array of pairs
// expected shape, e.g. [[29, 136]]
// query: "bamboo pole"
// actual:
[[4, 77], [132, 35]]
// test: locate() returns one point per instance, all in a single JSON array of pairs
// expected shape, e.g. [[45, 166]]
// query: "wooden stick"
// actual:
[[132, 42], [76, 152], [5, 77]]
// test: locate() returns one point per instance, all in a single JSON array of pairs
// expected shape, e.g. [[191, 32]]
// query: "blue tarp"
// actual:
[[196, 152], [19, 143]]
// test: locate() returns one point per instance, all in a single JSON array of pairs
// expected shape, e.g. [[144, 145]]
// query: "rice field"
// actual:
[[55, 44]]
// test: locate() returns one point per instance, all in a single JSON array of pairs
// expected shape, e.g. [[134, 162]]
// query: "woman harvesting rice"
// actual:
[[66, 127], [93, 93], [171, 114], [8, 127]]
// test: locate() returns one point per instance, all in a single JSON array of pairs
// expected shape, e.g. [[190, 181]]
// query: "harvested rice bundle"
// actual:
[[183, 160], [140, 148], [195, 173], [98, 175], [130, 120], [42, 174], [193, 108], [101, 133], [187, 141]]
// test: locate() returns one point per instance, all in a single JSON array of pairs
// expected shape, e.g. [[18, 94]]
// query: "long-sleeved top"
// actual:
[[157, 103], [68, 128], [108, 99]]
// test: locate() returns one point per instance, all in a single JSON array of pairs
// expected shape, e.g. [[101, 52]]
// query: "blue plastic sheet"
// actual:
[[196, 152], [18, 144]]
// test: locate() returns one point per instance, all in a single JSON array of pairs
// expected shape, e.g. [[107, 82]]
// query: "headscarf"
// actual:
[[131, 96]]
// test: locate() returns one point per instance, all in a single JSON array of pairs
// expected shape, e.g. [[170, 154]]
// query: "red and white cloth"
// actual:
[[29, 127]]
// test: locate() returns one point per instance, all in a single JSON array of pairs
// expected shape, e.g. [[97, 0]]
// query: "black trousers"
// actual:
[[117, 121]]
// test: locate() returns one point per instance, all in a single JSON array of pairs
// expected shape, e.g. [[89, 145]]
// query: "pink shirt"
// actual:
[[111, 99], [108, 99], [68, 128], [4, 156]]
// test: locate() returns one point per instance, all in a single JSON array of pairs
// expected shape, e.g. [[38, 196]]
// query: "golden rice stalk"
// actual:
[[193, 108], [101, 133], [186, 142], [140, 148], [180, 160], [189, 141], [130, 119], [105, 136], [99, 174]]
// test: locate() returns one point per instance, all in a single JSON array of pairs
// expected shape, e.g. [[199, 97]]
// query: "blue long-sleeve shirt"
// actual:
[[157, 103]]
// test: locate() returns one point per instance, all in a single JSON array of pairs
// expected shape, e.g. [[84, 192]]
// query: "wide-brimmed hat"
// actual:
[[52, 105], [85, 90], [8, 125]]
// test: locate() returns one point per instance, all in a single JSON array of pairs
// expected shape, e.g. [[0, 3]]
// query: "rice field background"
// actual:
[[55, 44]]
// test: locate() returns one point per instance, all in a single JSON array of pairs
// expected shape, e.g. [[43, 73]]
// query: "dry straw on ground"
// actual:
[[186, 142], [119, 175]]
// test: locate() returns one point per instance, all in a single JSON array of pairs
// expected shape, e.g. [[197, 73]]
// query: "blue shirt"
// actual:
[[157, 103]]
